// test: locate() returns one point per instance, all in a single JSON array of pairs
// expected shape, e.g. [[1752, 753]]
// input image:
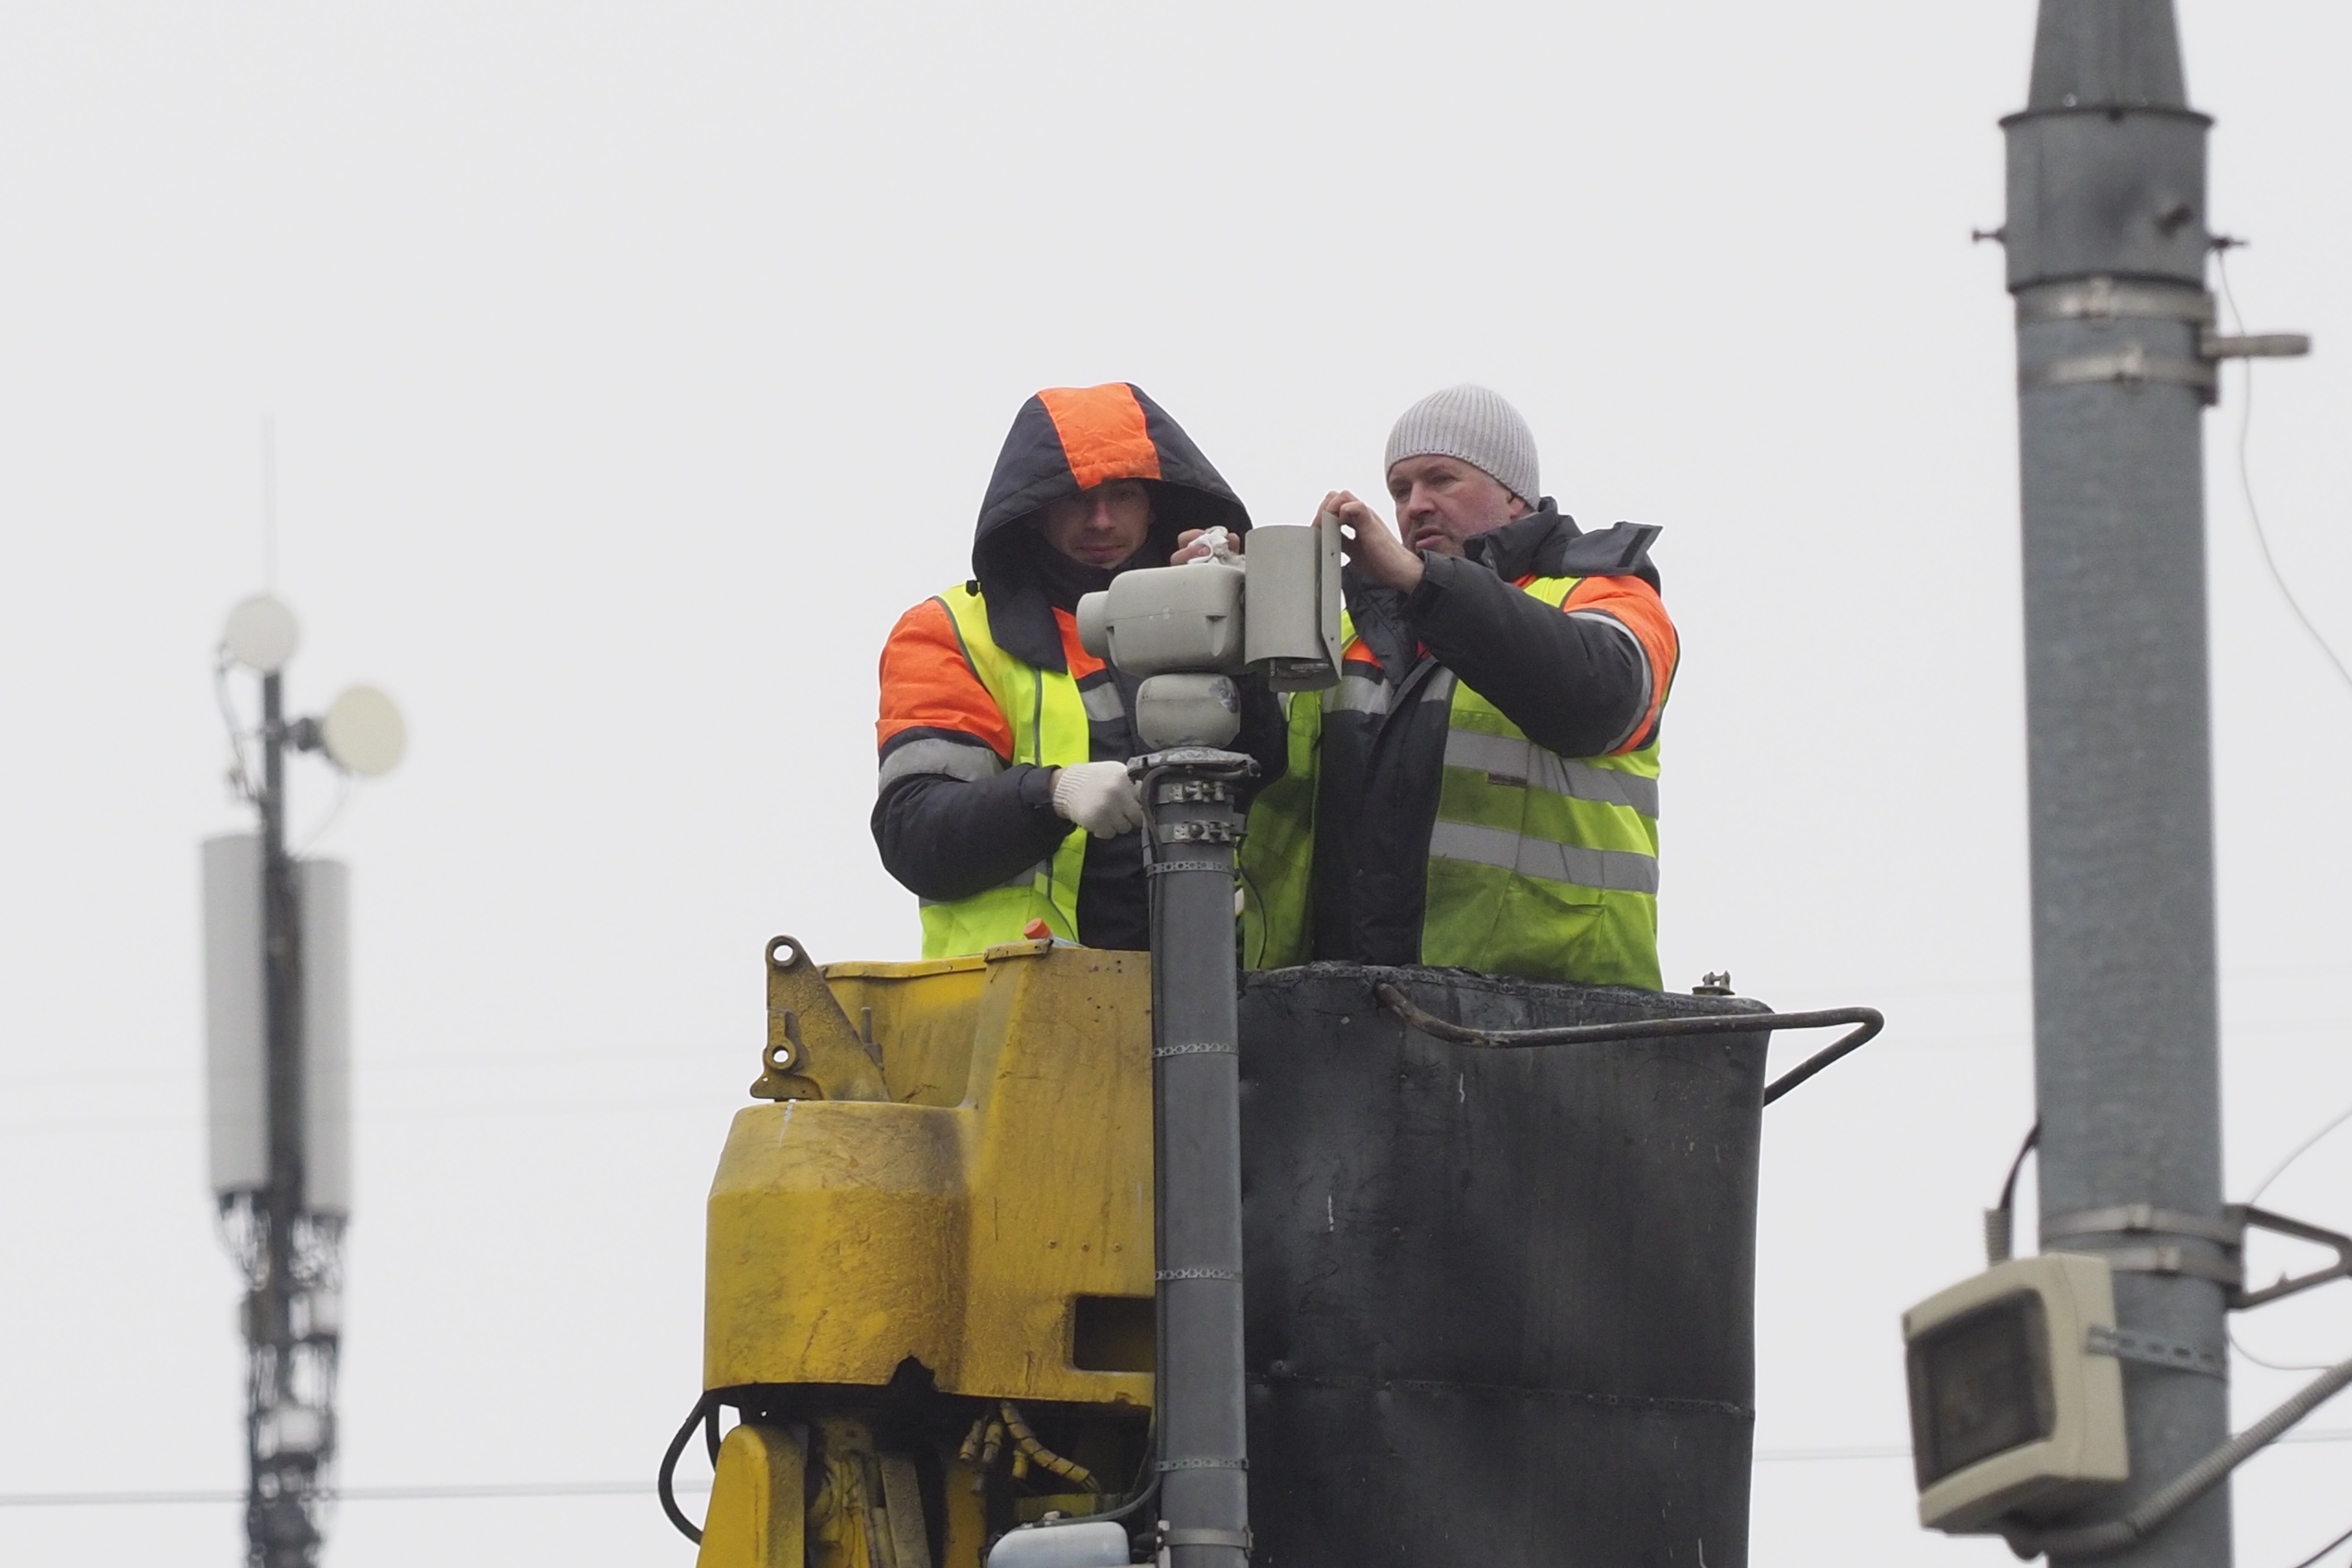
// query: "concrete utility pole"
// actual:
[[2107, 243]]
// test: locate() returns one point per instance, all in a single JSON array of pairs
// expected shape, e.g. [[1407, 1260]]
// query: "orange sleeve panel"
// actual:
[[1636, 605], [929, 684], [1082, 663]]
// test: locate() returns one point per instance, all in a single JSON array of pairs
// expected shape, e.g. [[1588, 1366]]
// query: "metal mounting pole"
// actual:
[[1195, 829], [279, 1530], [2107, 244]]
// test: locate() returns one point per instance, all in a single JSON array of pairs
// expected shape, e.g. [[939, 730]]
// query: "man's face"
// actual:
[[1442, 501], [1100, 527]]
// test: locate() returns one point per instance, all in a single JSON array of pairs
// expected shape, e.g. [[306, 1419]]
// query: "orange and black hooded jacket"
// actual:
[[950, 832]]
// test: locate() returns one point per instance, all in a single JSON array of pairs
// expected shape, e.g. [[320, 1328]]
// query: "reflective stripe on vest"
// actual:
[[1541, 865], [1048, 716]]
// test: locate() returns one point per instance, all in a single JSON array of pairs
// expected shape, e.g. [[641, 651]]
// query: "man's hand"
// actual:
[[1372, 549], [1098, 798], [1196, 544]]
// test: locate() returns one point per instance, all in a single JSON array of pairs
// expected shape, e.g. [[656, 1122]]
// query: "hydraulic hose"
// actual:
[[1148, 1489], [2160, 1505], [1869, 1021], [706, 1409], [1045, 1459]]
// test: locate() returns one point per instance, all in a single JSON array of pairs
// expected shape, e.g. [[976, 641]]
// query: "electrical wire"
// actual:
[[2300, 1150], [2001, 1220], [2246, 484], [462, 1490], [2158, 1508], [319, 830], [443, 1492], [2238, 1345], [241, 772], [2312, 1560], [1025, 1443], [664, 1479], [2278, 580]]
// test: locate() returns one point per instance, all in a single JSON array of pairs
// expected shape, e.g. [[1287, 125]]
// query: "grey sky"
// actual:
[[634, 366]]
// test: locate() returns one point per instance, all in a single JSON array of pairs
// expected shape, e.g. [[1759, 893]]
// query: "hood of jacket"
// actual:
[[1065, 440]]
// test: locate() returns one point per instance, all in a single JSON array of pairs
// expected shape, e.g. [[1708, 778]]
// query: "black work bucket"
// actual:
[[1500, 1301]]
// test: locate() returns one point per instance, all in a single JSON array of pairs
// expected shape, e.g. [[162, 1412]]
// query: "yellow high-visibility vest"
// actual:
[[1540, 865], [1049, 728]]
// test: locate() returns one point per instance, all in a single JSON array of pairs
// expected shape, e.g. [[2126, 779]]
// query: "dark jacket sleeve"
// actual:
[[1576, 685], [948, 837]]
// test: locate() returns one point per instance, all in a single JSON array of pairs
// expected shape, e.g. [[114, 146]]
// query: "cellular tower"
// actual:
[[278, 1033]]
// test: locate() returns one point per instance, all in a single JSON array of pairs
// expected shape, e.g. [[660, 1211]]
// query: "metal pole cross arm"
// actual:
[[2246, 1217]]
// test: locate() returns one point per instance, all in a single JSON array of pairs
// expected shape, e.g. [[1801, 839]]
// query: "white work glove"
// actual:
[[1098, 798]]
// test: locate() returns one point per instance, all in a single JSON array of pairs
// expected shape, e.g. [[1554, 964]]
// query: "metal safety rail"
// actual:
[[1868, 1022]]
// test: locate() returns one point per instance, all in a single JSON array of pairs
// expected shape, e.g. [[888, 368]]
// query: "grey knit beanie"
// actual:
[[1475, 426]]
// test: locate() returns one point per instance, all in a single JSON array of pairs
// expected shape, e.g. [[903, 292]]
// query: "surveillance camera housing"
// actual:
[[2012, 1411], [1278, 613]]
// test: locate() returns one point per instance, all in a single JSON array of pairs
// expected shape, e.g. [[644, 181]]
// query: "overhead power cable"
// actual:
[[2278, 580], [2298, 1152], [2315, 1557], [438, 1492], [2246, 483], [460, 1491]]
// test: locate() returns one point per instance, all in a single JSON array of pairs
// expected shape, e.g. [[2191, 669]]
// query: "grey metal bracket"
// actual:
[[1169, 792], [2102, 301], [2168, 1259], [1233, 765], [1239, 1540], [1210, 831], [2163, 1255], [2257, 345], [2149, 1350], [2228, 1233], [2141, 1219], [2129, 364]]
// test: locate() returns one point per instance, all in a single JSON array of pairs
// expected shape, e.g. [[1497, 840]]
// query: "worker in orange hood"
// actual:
[[1005, 802]]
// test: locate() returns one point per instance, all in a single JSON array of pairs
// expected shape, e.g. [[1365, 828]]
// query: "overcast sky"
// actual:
[[633, 367]]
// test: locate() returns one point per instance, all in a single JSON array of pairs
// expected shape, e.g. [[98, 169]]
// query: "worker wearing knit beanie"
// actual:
[[1475, 426], [1480, 791], [1461, 462]]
